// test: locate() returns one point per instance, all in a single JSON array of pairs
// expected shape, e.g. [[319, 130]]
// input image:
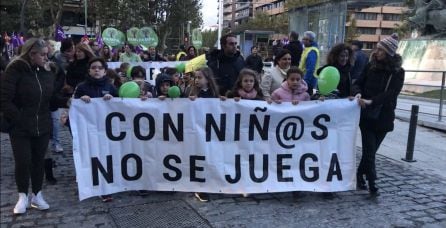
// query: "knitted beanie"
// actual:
[[389, 44]]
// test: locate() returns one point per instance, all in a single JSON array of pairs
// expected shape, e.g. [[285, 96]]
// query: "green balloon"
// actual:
[[328, 80], [181, 67], [129, 90], [174, 92]]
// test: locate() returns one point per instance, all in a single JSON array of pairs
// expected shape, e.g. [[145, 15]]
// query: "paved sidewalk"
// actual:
[[411, 196]]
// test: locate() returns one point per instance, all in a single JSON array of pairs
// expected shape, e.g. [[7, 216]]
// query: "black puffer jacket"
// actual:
[[372, 84], [26, 93], [225, 68], [95, 88]]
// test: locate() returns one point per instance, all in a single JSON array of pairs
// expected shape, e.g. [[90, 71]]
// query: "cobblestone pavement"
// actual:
[[410, 197]]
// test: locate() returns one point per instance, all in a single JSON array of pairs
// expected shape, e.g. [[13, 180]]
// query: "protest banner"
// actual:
[[215, 146]]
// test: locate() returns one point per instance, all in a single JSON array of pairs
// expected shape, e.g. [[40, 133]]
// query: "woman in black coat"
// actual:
[[26, 92], [379, 86]]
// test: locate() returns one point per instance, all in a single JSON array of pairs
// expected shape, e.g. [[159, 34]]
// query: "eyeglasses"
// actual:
[[96, 68]]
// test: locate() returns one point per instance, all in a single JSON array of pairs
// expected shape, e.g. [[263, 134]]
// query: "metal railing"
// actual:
[[443, 72]]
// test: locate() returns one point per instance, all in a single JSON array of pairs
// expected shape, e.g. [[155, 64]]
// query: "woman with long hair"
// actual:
[[378, 87], [26, 92]]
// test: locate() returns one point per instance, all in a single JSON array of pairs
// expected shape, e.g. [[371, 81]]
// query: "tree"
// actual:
[[263, 21], [209, 38], [352, 31]]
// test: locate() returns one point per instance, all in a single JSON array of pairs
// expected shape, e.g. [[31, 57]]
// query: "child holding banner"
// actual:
[[205, 87], [247, 86], [95, 85], [293, 89]]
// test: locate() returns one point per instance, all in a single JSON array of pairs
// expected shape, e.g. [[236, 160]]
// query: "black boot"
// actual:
[[373, 190], [360, 182], [49, 171]]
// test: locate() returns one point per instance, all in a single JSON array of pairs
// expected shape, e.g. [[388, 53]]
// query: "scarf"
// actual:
[[247, 95]]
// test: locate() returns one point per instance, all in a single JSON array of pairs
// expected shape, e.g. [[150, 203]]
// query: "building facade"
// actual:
[[375, 23]]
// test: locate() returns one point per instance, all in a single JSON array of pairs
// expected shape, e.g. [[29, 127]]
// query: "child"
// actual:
[[293, 89], [138, 74], [96, 84], [205, 87], [247, 86], [186, 86], [163, 83]]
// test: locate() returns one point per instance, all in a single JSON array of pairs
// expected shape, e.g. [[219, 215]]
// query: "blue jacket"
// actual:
[[361, 60], [95, 88], [311, 67]]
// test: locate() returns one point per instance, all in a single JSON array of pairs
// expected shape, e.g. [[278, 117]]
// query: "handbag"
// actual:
[[372, 112]]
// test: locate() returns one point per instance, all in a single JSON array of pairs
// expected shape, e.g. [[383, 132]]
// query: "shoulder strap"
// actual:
[[388, 82]]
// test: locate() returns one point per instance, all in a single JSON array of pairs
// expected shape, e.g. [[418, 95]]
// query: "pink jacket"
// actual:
[[284, 93]]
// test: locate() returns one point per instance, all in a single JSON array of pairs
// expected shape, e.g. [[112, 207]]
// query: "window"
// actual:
[[366, 16], [391, 17], [387, 31], [369, 45], [368, 31]]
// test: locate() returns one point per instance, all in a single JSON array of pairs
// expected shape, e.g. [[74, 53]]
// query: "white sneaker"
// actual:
[[38, 202], [22, 204]]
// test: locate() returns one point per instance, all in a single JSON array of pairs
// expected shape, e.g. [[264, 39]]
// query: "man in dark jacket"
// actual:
[[226, 63], [254, 61], [361, 60], [295, 47]]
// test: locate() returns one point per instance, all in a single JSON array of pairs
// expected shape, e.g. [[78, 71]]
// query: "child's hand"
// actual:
[[322, 98], [86, 99], [295, 102], [222, 98], [143, 97], [278, 101], [237, 99], [192, 98], [269, 100], [107, 97], [162, 97]]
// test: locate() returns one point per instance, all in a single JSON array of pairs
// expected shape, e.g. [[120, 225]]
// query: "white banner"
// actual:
[[208, 145], [152, 68]]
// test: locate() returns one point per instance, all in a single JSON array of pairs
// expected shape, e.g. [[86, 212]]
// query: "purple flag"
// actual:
[[15, 40], [99, 40], [59, 34]]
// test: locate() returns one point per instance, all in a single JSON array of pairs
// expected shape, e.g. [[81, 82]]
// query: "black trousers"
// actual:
[[371, 140], [29, 153]]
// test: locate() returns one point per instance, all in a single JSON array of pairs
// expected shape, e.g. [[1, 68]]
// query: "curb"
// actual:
[[431, 100], [440, 126]]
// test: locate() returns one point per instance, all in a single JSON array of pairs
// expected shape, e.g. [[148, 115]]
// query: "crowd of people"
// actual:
[[38, 84]]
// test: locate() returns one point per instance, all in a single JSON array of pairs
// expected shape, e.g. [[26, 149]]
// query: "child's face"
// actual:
[[186, 77], [164, 88], [248, 82], [293, 80], [96, 70], [200, 80]]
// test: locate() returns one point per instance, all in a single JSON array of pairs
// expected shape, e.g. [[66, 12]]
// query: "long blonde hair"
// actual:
[[31, 46]]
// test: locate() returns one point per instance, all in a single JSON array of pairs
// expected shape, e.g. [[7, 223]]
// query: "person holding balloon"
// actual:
[[379, 86], [340, 83]]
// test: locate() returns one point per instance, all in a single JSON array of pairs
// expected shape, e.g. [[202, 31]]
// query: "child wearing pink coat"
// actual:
[[293, 89]]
